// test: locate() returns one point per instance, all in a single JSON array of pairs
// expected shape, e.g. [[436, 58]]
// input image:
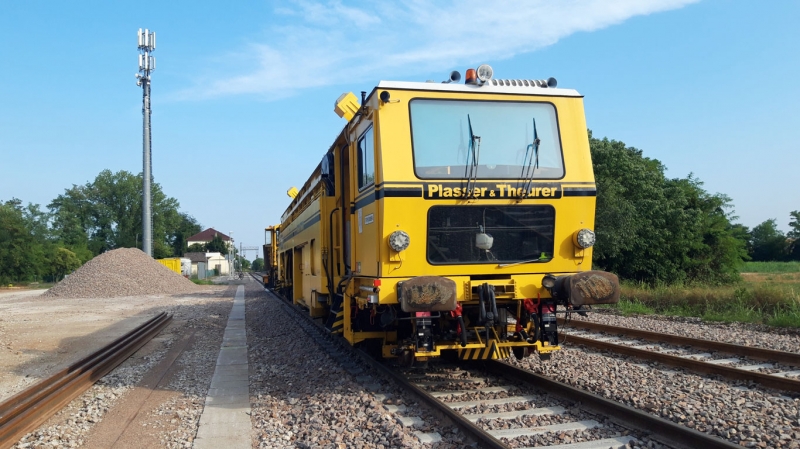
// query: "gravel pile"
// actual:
[[122, 272]]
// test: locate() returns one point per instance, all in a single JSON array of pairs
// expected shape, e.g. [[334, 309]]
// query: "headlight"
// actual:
[[399, 240], [548, 281], [584, 238], [484, 72]]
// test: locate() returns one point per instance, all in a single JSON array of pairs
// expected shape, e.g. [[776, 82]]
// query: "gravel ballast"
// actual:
[[745, 415], [121, 272], [302, 398]]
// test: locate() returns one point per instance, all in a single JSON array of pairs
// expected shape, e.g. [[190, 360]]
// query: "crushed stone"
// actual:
[[121, 272]]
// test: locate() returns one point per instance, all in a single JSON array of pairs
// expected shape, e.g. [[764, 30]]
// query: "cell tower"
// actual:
[[147, 63]]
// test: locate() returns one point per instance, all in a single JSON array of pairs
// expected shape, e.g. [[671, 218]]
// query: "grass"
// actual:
[[771, 267], [28, 285], [202, 282], [753, 300]]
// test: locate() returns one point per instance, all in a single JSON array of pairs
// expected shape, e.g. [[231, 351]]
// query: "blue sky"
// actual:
[[243, 92]]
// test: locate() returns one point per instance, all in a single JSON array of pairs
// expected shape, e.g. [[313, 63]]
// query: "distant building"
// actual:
[[195, 259], [219, 262], [206, 236], [212, 261]]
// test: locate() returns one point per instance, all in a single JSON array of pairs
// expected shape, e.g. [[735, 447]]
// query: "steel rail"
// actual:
[[467, 426], [31, 407], [788, 358], [660, 428], [767, 380]]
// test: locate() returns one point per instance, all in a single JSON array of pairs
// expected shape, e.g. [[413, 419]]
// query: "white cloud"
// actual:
[[329, 43]]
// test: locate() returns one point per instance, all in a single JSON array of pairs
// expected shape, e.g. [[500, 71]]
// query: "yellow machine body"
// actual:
[[374, 216]]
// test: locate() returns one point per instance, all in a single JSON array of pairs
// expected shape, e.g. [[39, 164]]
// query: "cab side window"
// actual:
[[366, 160]]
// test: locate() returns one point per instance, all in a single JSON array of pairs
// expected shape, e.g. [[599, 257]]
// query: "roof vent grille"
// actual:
[[551, 82]]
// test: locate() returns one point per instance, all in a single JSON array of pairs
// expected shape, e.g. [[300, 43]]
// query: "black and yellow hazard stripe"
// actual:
[[503, 353], [491, 352], [335, 321], [338, 323]]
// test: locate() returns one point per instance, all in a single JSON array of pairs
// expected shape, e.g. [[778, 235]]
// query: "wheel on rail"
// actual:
[[405, 359]]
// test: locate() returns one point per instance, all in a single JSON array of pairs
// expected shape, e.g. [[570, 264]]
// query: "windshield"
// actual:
[[440, 135]]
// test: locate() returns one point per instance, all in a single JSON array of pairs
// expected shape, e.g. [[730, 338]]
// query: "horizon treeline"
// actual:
[[83, 222], [656, 230]]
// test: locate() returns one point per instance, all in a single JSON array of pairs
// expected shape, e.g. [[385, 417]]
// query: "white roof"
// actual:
[[493, 86]]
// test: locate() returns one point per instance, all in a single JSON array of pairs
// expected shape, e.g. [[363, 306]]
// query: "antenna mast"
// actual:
[[147, 64]]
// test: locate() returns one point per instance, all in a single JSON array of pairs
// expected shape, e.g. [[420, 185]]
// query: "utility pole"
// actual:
[[147, 64]]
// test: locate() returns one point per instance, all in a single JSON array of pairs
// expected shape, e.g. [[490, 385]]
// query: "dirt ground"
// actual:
[[153, 399], [39, 335]]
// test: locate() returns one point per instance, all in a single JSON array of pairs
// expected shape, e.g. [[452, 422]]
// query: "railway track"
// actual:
[[527, 399], [534, 406], [780, 370], [31, 407]]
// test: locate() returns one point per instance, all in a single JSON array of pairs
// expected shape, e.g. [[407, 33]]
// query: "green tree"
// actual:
[[794, 235], [71, 220], [217, 245], [107, 213], [658, 230], [794, 224], [184, 227], [242, 264], [196, 248], [63, 262], [258, 264], [768, 242], [24, 239]]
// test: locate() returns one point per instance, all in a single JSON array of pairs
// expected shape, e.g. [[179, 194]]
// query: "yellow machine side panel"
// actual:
[[366, 220], [303, 237]]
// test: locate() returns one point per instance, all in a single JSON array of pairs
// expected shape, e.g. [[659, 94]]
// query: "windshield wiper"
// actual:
[[474, 150], [530, 163], [542, 257]]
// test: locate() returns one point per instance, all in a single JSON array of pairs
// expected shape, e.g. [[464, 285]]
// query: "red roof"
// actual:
[[207, 236]]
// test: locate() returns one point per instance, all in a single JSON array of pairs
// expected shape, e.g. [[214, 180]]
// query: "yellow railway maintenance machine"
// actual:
[[448, 219], [270, 256]]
